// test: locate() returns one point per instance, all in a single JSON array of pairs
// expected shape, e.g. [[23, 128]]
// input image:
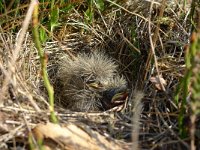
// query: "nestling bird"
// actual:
[[91, 82]]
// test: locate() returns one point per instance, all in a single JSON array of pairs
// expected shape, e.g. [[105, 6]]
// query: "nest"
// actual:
[[82, 85]]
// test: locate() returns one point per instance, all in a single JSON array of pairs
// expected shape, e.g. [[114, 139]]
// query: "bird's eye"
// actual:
[[88, 78], [89, 81]]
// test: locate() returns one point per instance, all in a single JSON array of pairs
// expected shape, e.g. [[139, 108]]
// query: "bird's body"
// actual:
[[89, 82]]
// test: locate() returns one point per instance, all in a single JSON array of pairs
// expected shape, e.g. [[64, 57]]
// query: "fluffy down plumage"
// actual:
[[90, 82]]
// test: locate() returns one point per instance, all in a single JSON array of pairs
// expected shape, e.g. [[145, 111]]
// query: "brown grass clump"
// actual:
[[141, 45]]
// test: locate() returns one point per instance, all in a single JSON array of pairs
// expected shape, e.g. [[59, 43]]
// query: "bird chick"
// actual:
[[91, 83]]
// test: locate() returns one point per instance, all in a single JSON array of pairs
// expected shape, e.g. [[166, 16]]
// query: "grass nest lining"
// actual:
[[122, 32]]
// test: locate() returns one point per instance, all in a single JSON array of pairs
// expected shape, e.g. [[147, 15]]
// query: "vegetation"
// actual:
[[156, 45]]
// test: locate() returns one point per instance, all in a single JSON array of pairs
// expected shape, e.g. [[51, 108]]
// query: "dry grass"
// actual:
[[147, 41]]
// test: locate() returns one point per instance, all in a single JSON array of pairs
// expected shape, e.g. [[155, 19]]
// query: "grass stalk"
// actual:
[[43, 61]]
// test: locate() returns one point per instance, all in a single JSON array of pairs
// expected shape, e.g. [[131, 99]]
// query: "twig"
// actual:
[[153, 41], [11, 65]]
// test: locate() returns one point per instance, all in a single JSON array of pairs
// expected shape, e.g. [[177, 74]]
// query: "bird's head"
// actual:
[[113, 94]]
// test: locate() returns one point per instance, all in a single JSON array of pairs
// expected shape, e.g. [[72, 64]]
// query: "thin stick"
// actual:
[[153, 41], [11, 65]]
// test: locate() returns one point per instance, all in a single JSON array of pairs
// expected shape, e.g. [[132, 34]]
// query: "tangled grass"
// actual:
[[151, 41]]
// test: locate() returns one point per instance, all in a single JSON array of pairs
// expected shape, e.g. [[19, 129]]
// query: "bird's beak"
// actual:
[[119, 97], [95, 85]]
